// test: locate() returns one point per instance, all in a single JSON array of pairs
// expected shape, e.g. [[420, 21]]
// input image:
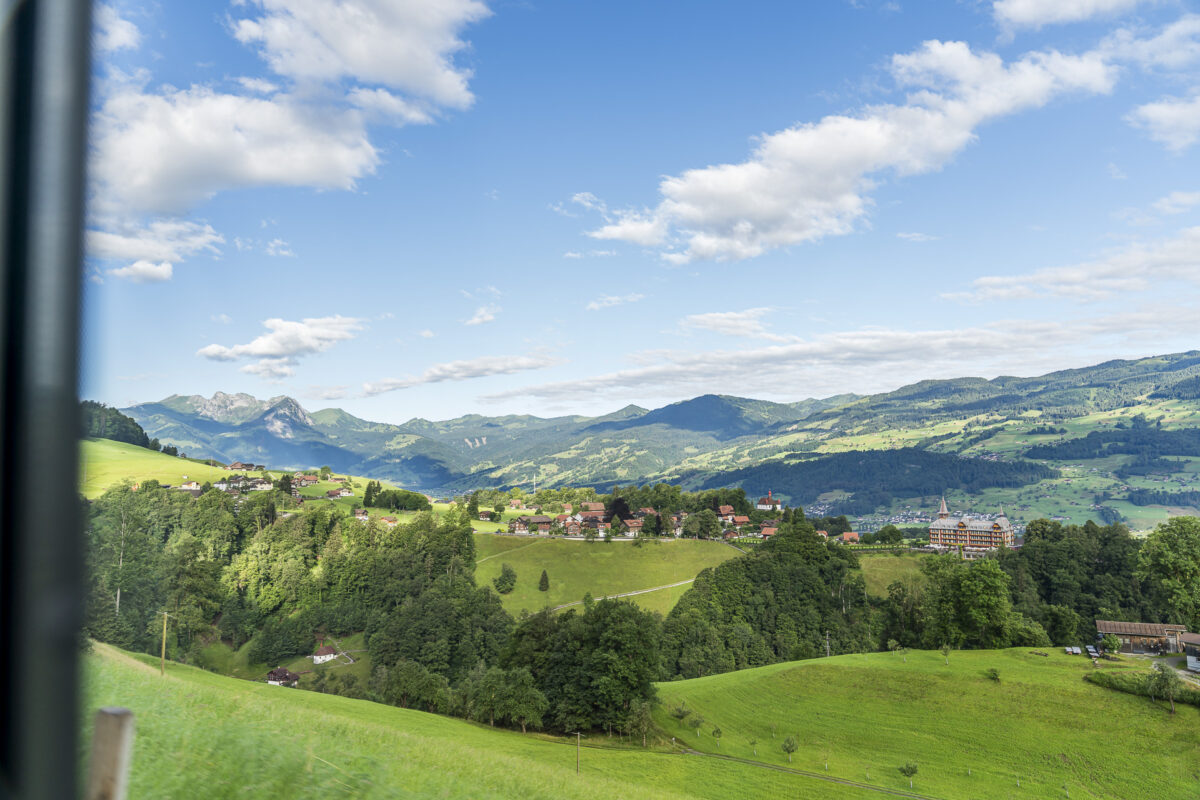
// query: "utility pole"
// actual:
[[578, 734], [162, 664]]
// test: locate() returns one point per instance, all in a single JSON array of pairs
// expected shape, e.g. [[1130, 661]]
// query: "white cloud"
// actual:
[[1115, 172], [165, 153], [608, 301], [484, 314], [425, 334], [1036, 13], [1175, 47], [277, 350], [143, 271], [258, 85], [403, 44], [482, 367], [1132, 269], [1176, 202], [114, 33], [917, 237], [876, 359], [326, 392], [278, 247], [589, 254], [813, 180], [152, 250], [572, 254], [395, 109], [746, 324], [1172, 121], [224, 319]]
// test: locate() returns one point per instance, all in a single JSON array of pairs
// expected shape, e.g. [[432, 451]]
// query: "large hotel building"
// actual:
[[982, 534]]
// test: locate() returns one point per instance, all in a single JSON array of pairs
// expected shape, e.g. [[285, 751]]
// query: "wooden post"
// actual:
[[162, 664], [576, 751], [112, 745]]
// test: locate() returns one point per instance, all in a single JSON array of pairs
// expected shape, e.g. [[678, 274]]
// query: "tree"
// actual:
[[523, 703], [695, 722], [1169, 561], [325, 472], [680, 712], [946, 653], [893, 645], [908, 770], [1165, 683], [1111, 643], [716, 732], [640, 720], [789, 746], [473, 505], [284, 484], [544, 582], [506, 581]]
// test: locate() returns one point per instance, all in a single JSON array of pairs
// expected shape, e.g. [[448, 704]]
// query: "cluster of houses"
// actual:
[[363, 516], [591, 517]]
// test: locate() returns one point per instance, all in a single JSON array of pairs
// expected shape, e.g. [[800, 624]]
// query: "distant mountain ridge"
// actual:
[[701, 441]]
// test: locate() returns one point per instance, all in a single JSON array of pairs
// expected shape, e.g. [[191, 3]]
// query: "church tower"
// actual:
[[943, 512]]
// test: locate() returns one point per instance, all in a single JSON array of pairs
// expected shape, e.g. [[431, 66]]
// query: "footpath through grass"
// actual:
[[602, 568], [207, 736], [970, 736]]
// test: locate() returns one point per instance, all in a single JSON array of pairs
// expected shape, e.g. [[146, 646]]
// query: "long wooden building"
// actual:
[[1144, 637]]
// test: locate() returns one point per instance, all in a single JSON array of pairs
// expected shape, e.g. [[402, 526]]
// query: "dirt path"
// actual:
[[628, 594], [506, 552]]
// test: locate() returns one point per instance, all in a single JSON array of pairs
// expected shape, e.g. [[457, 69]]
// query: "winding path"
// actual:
[[628, 594]]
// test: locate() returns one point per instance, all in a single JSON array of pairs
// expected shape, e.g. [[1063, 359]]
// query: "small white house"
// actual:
[[326, 653]]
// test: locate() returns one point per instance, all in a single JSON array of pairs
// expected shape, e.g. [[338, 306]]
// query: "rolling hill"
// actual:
[[1010, 434], [862, 716]]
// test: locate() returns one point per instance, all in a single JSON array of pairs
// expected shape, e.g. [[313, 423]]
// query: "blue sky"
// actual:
[[436, 207]]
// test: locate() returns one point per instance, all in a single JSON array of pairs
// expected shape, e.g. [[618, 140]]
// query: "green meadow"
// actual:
[[881, 569], [603, 568], [105, 463], [970, 736], [205, 735]]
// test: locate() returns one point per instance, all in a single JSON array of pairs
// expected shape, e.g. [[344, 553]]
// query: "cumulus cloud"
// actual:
[[153, 249], [285, 341], [1036, 13], [224, 319], [114, 33], [917, 237], [143, 271], [165, 153], [1131, 269], [814, 180], [875, 359], [1171, 121], [467, 369], [395, 109], [1176, 202], [258, 85], [746, 324], [403, 44], [484, 314], [1176, 46], [609, 300]]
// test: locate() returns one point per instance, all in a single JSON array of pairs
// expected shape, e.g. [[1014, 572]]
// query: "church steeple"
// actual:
[[943, 512]]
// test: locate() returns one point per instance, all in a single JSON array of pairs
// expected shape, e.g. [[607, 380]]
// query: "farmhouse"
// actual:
[[1144, 637], [530, 524], [1191, 646], [769, 532], [360, 514], [282, 676], [389, 521], [725, 513], [324, 654], [240, 465], [979, 534], [768, 503], [592, 507], [573, 527], [741, 520]]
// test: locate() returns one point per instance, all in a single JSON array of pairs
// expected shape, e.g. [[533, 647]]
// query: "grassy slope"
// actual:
[[203, 735], [881, 569], [1042, 724], [106, 463], [602, 568]]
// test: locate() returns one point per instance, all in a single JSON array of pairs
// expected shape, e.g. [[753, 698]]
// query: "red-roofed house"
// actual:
[[592, 506], [725, 513], [741, 520], [768, 503], [768, 532], [324, 654]]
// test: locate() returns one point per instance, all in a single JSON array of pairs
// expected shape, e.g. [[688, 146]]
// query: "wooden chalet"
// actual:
[[282, 676], [1144, 637]]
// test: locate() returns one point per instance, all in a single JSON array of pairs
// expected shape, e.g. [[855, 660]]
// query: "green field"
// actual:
[[881, 569], [602, 568], [204, 735], [105, 463], [1041, 724]]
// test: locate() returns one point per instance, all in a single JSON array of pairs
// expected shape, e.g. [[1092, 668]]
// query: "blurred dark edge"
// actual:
[[44, 71]]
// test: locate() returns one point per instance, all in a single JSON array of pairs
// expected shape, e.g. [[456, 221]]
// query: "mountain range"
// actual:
[[698, 442]]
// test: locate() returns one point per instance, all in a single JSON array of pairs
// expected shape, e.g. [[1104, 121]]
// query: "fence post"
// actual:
[[112, 746]]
